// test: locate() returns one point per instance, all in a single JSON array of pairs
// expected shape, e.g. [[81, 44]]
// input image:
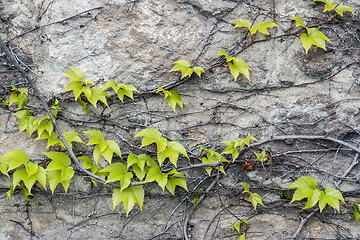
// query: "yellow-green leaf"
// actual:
[[340, 9], [314, 37], [299, 21], [129, 197]]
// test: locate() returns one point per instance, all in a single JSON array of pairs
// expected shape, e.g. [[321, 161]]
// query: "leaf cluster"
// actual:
[[306, 187], [186, 71], [255, 198]]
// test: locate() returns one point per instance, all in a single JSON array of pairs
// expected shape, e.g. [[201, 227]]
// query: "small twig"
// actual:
[[29, 231], [303, 221], [352, 165]]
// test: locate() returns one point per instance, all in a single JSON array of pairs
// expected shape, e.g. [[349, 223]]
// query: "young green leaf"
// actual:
[[184, 67], [126, 89], [176, 180], [55, 109], [262, 27], [87, 164], [155, 174], [231, 149], [52, 139], [118, 172], [242, 237], [42, 125], [340, 9], [356, 210], [151, 135], [242, 23], [236, 65], [262, 157], [132, 159], [255, 199], [313, 37], [299, 22], [25, 192], [70, 137], [198, 70], [75, 86], [60, 161], [17, 158], [96, 137], [172, 151], [20, 98], [74, 74], [96, 95], [29, 180], [331, 197], [328, 4], [4, 164], [83, 104], [173, 98], [212, 157], [246, 186], [26, 122], [129, 197]]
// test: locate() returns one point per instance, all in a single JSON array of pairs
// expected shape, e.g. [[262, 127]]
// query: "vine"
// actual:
[[127, 176]]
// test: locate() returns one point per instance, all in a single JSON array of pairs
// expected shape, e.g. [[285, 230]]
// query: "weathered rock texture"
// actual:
[[136, 42]]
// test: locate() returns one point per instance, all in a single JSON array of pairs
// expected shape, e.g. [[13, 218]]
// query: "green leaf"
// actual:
[[55, 109], [356, 210], [83, 104], [25, 192], [17, 158], [155, 174], [340, 9], [176, 180], [129, 197], [308, 182], [184, 67], [242, 237], [236, 65], [314, 37], [60, 161], [331, 197], [173, 98], [151, 135], [172, 152], [231, 149], [31, 168], [299, 22], [29, 181], [110, 83], [118, 172], [328, 4], [75, 86], [255, 199], [138, 171], [96, 95], [126, 89], [96, 137], [4, 164], [70, 137], [28, 124], [262, 157], [198, 70], [246, 186], [74, 74], [52, 139], [242, 23], [44, 124], [263, 27], [132, 159], [112, 147], [236, 227]]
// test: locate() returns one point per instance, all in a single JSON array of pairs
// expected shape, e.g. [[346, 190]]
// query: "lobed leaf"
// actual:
[[74, 74], [129, 197], [299, 22], [151, 135], [172, 151], [314, 37], [340, 9], [176, 180]]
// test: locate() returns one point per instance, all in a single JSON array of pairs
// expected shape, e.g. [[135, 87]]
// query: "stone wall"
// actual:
[[136, 42]]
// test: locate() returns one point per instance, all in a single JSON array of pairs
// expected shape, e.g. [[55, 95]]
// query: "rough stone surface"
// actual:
[[136, 42]]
